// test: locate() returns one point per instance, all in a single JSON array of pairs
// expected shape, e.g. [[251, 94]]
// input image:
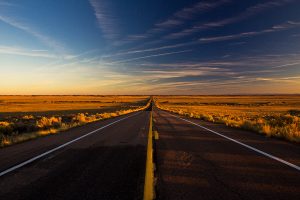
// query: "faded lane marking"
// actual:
[[244, 145]]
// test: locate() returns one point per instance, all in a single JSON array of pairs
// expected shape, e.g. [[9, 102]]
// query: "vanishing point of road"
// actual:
[[193, 160]]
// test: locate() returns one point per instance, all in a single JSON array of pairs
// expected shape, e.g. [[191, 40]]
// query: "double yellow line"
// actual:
[[149, 192]]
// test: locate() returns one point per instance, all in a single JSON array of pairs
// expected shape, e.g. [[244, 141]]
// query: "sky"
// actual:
[[149, 47]]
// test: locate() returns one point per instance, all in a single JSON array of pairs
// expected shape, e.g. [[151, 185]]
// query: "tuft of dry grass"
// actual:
[[17, 128], [276, 116]]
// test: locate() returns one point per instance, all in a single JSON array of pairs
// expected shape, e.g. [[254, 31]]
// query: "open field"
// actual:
[[27, 117], [272, 115], [18, 105]]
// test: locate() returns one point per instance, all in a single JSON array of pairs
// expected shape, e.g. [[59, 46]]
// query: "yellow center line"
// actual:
[[149, 174]]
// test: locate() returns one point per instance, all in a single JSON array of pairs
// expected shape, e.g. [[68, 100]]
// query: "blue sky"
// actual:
[[149, 47]]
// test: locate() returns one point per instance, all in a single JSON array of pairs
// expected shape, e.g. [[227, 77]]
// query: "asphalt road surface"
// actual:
[[195, 163], [107, 164], [106, 160]]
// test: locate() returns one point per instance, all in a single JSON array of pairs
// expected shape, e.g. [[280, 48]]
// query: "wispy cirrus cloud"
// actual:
[[244, 86], [72, 59], [106, 22], [149, 56], [26, 52], [232, 68], [188, 13], [275, 28], [208, 65], [41, 37], [280, 27], [171, 74], [219, 82], [271, 62], [287, 65], [144, 50], [249, 12], [57, 46], [179, 18]]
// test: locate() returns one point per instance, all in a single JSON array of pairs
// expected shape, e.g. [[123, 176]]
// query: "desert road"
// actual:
[[195, 163], [193, 159], [107, 164]]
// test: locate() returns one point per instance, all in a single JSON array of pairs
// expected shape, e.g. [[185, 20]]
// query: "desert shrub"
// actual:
[[247, 125], [270, 122], [20, 127], [207, 117], [5, 128], [4, 140], [113, 115], [28, 127], [266, 129], [46, 123], [294, 112], [4, 124], [232, 123], [27, 117], [180, 112], [80, 118], [56, 122], [105, 115]]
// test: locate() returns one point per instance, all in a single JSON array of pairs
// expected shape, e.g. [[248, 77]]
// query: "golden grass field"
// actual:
[[273, 115], [14, 105], [27, 117]]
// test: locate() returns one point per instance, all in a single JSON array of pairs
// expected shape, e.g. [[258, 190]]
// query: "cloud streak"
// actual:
[[275, 28], [145, 50], [43, 38], [25, 52], [249, 12], [149, 56], [179, 18], [188, 13], [281, 27], [286, 65], [105, 20], [221, 69]]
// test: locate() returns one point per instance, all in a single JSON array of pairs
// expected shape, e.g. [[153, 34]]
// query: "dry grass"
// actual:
[[16, 105], [277, 116], [41, 115]]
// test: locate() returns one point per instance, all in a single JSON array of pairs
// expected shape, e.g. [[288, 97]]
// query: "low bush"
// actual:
[[278, 125], [5, 128], [28, 127]]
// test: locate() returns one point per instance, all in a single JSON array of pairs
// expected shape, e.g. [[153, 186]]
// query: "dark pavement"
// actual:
[[109, 164], [193, 163]]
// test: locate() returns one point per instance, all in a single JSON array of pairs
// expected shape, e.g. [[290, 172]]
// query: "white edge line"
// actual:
[[59, 147], [244, 145]]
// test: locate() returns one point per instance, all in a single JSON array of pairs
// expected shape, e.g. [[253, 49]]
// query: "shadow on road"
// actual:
[[196, 164], [107, 172]]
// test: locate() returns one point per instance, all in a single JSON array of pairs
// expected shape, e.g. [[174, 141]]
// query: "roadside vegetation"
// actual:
[[36, 119], [276, 116]]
